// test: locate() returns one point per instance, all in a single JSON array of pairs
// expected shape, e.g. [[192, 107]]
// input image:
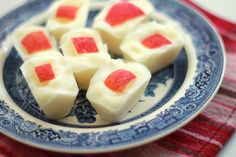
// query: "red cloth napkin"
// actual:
[[204, 136]]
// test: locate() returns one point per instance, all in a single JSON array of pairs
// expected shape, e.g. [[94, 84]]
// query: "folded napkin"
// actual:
[[202, 137]]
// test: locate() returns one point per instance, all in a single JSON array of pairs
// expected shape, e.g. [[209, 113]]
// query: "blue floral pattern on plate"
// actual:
[[210, 67]]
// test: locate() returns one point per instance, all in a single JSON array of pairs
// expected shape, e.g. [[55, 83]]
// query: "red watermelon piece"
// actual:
[[155, 41], [119, 80], [44, 72], [85, 45], [122, 12], [36, 41]]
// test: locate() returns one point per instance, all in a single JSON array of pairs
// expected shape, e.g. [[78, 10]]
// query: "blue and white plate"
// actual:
[[173, 97]]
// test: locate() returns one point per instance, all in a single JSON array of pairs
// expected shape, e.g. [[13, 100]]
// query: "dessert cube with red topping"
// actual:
[[66, 15], [52, 84], [116, 88], [154, 45], [32, 40], [84, 49], [119, 18]]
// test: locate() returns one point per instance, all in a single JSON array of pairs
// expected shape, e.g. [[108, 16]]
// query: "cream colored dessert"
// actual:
[[84, 49], [117, 87], [32, 40], [66, 15], [52, 84], [154, 45], [118, 19]]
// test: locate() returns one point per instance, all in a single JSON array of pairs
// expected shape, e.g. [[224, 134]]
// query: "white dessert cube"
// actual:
[[116, 88], [66, 15], [32, 40], [84, 49], [52, 84], [154, 45], [118, 19]]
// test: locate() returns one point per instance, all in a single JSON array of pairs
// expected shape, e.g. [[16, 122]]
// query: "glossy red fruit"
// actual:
[[36, 41], [122, 12], [85, 45], [155, 41], [119, 80], [44, 72], [67, 12]]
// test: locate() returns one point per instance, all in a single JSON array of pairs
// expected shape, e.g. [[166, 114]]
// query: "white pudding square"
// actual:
[[117, 87], [52, 84], [154, 45], [66, 15], [32, 40], [84, 49]]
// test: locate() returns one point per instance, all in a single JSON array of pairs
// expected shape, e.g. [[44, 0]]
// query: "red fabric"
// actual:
[[6, 152], [191, 146], [208, 127], [205, 136], [225, 28]]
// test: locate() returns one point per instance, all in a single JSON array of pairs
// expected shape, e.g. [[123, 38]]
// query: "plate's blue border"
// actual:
[[209, 74]]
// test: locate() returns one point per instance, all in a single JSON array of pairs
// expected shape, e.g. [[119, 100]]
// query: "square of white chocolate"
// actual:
[[116, 88], [66, 15], [118, 19], [154, 45], [84, 49], [52, 84], [32, 40]]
